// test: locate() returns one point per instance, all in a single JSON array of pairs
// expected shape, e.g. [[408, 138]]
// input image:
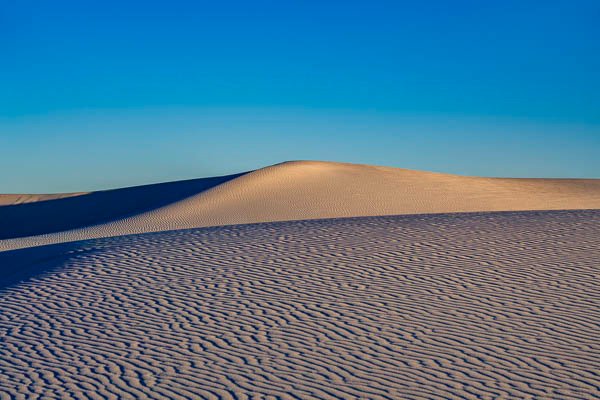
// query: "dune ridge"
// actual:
[[303, 190]]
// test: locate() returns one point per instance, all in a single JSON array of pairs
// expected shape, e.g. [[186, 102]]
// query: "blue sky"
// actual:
[[105, 94]]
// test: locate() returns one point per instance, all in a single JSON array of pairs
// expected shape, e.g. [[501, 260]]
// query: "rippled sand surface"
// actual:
[[449, 306]]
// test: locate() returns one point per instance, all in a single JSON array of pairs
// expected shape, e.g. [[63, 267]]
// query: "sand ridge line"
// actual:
[[315, 190]]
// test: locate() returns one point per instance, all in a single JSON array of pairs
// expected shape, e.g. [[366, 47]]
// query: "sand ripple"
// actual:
[[469, 306]]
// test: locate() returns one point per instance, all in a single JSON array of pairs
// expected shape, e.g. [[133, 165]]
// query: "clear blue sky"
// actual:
[[99, 94]]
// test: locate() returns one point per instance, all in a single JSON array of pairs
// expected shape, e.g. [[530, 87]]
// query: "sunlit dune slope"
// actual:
[[313, 190], [14, 199]]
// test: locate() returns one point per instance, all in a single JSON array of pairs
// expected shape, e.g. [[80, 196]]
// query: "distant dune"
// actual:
[[63, 212], [289, 191], [14, 199]]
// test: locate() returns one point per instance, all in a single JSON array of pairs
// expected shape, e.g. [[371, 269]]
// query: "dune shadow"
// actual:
[[57, 215], [17, 266]]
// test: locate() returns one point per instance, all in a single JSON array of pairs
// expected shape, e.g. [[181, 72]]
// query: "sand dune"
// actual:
[[289, 191], [14, 199], [108, 295], [86, 209], [454, 306]]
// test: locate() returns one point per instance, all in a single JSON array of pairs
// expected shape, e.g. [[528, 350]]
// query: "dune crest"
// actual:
[[301, 190]]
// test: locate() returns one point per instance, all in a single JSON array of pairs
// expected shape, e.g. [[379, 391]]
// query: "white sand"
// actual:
[[462, 306], [476, 305], [310, 190]]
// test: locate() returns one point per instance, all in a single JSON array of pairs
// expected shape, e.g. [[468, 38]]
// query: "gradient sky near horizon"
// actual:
[[101, 94]]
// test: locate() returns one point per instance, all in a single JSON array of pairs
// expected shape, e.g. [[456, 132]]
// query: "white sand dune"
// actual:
[[445, 306], [90, 209], [290, 191], [108, 295]]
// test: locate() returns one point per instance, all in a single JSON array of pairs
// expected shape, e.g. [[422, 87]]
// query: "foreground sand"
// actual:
[[289, 191], [463, 306]]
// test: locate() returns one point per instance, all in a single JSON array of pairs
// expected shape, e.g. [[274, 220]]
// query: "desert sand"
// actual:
[[289, 191], [13, 199], [376, 283]]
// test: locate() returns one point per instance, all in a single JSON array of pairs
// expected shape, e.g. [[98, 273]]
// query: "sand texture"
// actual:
[[444, 306], [289, 191], [13, 199]]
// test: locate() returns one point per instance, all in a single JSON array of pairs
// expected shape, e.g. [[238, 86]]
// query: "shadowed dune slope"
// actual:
[[450, 306], [78, 210], [312, 190]]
